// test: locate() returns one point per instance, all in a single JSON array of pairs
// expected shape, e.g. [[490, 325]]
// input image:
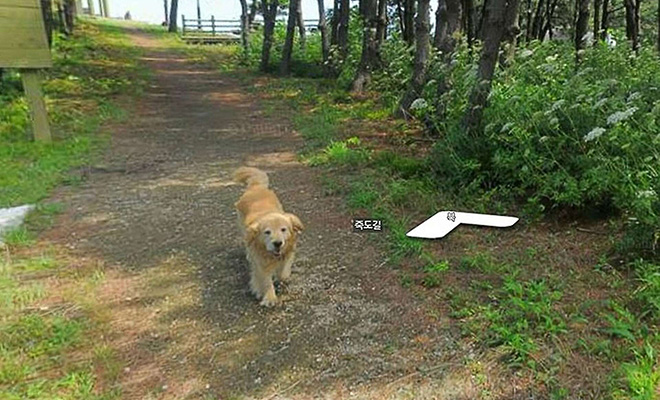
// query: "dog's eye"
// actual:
[[267, 232], [283, 229]]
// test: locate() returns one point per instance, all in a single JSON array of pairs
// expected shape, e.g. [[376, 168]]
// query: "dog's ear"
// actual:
[[252, 232], [296, 223]]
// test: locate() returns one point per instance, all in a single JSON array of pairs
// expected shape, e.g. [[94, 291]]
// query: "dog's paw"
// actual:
[[269, 301]]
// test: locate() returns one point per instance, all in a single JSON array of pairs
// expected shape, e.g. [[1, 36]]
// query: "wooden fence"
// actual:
[[222, 30]]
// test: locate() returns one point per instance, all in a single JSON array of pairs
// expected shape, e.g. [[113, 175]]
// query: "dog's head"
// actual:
[[275, 232]]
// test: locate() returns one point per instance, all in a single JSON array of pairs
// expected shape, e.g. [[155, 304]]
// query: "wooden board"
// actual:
[[23, 41], [35, 98]]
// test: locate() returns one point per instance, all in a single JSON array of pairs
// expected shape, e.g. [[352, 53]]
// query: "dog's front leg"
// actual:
[[261, 284], [284, 271]]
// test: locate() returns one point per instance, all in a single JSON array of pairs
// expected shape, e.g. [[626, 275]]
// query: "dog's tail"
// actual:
[[251, 177]]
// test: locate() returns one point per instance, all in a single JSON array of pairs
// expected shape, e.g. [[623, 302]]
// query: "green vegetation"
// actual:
[[90, 67], [541, 156], [50, 334]]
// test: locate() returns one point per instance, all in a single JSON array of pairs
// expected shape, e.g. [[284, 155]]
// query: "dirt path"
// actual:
[[158, 212]]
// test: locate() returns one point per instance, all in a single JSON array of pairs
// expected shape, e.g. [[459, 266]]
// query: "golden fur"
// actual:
[[269, 233]]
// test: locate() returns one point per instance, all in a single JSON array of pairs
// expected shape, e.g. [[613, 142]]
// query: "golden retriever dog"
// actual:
[[269, 233]]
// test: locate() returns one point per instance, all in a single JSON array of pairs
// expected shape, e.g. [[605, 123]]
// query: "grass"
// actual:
[[517, 297], [90, 68], [51, 324]]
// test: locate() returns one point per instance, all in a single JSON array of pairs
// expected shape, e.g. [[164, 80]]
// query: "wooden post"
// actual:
[[183, 25], [213, 24], [34, 96], [90, 6]]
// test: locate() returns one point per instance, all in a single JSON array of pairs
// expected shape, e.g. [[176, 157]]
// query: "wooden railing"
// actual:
[[219, 30]]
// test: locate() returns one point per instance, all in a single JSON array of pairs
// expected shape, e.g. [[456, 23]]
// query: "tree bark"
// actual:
[[381, 31], [537, 25], [658, 39], [448, 23], [285, 64], [167, 10], [528, 21], [342, 29], [549, 16], [174, 5], [370, 58], [334, 23], [581, 25], [70, 14], [300, 22], [484, 14], [422, 47], [253, 13], [323, 28], [631, 23], [245, 25], [604, 25], [468, 21], [409, 21], [493, 33], [511, 33], [269, 10], [597, 5]]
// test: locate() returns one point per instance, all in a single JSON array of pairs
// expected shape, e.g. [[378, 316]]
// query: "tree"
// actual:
[[342, 28], [632, 22], [597, 4], [493, 34], [323, 28], [301, 24], [511, 33], [581, 25], [381, 30], [409, 21], [468, 21], [269, 10], [174, 5], [253, 12], [370, 58], [422, 47], [285, 64], [245, 25], [447, 24], [167, 17], [604, 25]]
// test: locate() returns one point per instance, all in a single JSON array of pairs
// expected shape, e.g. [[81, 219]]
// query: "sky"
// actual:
[[153, 10]]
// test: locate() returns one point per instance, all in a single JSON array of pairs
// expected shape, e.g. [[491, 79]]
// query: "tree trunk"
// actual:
[[269, 10], [550, 12], [484, 14], [253, 13], [537, 25], [167, 10], [597, 4], [468, 21], [493, 33], [245, 25], [323, 28], [409, 21], [300, 22], [581, 25], [604, 25], [370, 58], [511, 33], [47, 13], [448, 22], [342, 29], [631, 25], [528, 22], [422, 47], [285, 64], [70, 14], [174, 5], [658, 39], [334, 23], [381, 31], [61, 19]]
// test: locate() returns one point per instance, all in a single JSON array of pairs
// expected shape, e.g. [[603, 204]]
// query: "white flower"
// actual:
[[506, 127], [557, 105], [526, 53], [418, 104], [646, 193], [600, 103], [634, 96], [620, 116], [594, 134], [554, 121], [551, 58]]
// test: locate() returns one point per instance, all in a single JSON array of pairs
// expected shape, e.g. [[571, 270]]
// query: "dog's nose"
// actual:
[[277, 244]]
